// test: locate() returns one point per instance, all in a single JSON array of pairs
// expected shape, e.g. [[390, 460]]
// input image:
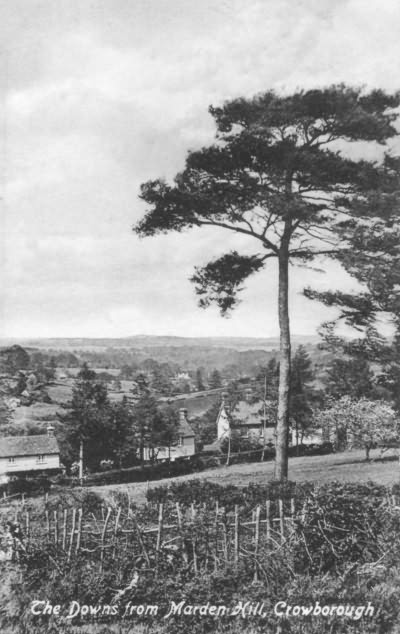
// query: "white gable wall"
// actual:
[[29, 463], [223, 426]]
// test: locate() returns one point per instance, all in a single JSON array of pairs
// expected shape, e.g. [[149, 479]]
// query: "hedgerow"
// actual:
[[345, 548]]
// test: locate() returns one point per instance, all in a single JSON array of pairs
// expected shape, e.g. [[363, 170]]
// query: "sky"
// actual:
[[98, 96]]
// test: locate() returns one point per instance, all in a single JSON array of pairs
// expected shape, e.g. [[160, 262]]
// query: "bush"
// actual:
[[106, 465], [201, 492], [314, 449], [341, 524], [28, 485]]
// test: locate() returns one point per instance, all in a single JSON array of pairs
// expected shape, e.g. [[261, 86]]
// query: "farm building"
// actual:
[[23, 455]]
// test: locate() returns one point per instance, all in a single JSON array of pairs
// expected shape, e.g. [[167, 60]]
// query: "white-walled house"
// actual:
[[23, 455], [247, 419]]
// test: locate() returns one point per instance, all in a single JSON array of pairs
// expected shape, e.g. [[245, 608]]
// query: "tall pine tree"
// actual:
[[276, 176]]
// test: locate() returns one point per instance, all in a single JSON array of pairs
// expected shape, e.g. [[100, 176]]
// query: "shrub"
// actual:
[[340, 524], [106, 465]]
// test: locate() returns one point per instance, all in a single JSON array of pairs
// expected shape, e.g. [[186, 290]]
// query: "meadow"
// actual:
[[348, 466]]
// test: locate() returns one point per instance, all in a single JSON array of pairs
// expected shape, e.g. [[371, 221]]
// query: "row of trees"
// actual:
[[119, 432], [353, 404]]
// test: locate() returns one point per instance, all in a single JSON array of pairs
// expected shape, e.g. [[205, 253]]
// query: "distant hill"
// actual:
[[235, 356], [141, 342]]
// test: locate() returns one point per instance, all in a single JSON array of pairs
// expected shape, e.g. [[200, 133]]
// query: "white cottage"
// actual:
[[247, 419], [23, 455]]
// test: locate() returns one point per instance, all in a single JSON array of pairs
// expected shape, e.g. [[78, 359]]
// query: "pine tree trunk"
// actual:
[[282, 428]]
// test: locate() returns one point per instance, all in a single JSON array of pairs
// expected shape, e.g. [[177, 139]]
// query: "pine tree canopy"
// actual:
[[277, 171]]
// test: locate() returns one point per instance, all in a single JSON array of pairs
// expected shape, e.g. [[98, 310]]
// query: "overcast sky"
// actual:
[[101, 95]]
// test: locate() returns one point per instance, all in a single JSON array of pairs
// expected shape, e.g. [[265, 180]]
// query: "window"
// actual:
[[180, 441], [40, 458], [11, 460]]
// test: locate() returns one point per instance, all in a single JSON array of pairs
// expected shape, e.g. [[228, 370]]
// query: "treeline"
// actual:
[[117, 433], [232, 362]]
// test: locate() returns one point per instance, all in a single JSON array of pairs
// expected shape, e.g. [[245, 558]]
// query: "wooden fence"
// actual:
[[201, 537], [204, 538]]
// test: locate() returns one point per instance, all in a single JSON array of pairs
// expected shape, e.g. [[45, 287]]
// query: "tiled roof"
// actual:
[[28, 445], [185, 429], [250, 414]]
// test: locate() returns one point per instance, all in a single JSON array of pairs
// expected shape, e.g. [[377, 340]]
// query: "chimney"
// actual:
[[50, 430], [183, 414], [224, 401], [248, 394]]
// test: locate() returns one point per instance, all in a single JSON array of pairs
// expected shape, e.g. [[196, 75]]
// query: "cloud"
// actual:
[[99, 97]]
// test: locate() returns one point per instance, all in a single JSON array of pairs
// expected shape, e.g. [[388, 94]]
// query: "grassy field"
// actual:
[[346, 466]]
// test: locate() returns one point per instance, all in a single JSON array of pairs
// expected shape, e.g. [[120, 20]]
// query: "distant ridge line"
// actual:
[[156, 341]]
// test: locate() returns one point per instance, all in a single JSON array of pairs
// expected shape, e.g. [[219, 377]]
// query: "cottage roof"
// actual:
[[184, 428], [249, 414], [28, 445]]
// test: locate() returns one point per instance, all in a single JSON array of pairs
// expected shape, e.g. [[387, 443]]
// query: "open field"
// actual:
[[346, 466]]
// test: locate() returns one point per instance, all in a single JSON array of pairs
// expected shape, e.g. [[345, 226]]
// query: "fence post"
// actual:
[[47, 524], [303, 513], [281, 520], [193, 513], [71, 537], [225, 536], [103, 537], [159, 532], [27, 525], [268, 517], [64, 538], [256, 543], [55, 515], [236, 537], [116, 530], [216, 535], [79, 531], [179, 515], [140, 540], [180, 527]]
